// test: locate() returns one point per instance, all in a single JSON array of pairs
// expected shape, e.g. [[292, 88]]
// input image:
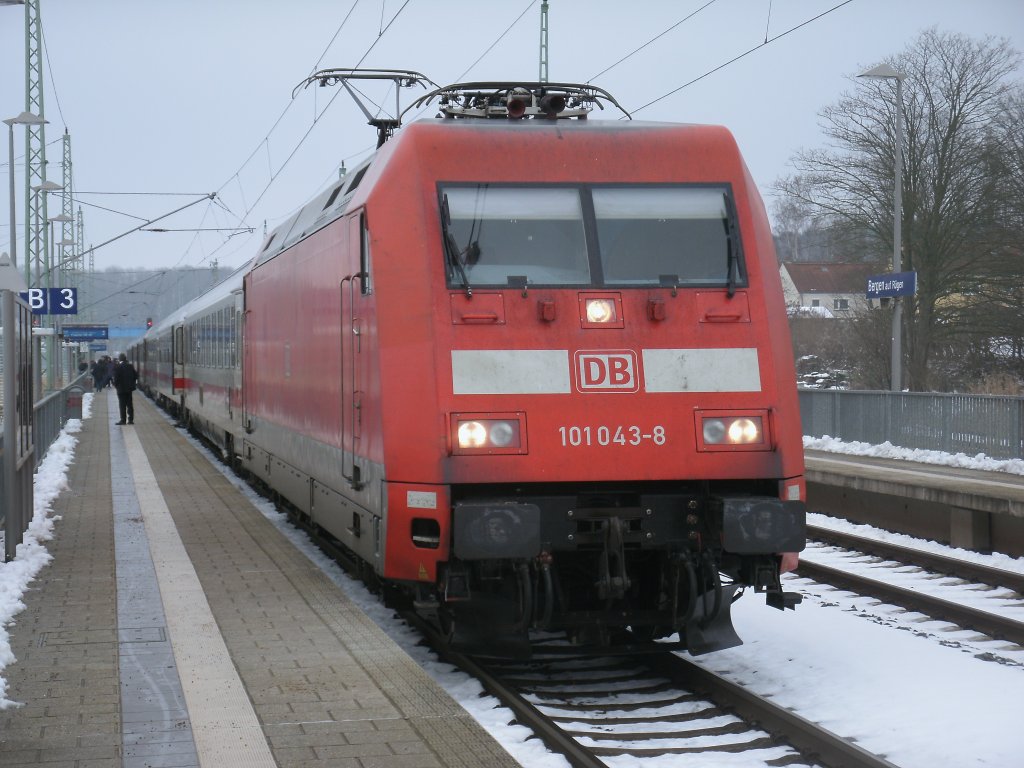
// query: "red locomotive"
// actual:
[[533, 368]]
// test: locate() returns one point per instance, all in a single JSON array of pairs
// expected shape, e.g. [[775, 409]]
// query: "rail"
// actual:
[[952, 423]]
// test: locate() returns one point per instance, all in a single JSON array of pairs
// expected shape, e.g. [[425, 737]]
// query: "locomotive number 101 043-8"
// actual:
[[575, 437]]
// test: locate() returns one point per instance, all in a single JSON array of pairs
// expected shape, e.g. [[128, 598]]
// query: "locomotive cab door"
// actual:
[[248, 383], [353, 286]]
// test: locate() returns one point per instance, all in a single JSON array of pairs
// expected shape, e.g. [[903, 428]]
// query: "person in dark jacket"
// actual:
[[125, 377]]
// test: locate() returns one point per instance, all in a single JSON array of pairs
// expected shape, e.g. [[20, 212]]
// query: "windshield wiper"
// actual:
[[455, 259], [732, 252], [451, 248]]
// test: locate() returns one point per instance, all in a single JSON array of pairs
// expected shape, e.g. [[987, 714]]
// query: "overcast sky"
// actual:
[[194, 96]]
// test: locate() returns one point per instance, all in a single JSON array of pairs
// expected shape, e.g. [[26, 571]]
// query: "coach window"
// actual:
[[659, 235], [222, 333], [228, 338], [502, 235], [215, 338], [236, 335]]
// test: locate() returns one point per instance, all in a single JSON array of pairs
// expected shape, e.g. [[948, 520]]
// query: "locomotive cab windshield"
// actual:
[[608, 236]]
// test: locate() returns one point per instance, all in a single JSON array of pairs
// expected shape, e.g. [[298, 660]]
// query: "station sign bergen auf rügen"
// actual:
[[892, 285]]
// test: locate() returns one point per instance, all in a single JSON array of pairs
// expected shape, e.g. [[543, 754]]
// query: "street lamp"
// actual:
[[25, 118], [886, 72], [64, 243], [51, 266], [43, 188]]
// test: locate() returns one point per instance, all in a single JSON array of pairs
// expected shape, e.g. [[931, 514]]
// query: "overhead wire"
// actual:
[[264, 142], [291, 102], [656, 37], [275, 173], [53, 81], [480, 58], [742, 55], [499, 39]]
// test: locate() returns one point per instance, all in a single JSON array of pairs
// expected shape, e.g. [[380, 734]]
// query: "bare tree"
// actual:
[[791, 219], [955, 93]]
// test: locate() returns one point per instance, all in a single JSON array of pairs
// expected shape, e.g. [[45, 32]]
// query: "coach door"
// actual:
[[353, 287], [178, 360]]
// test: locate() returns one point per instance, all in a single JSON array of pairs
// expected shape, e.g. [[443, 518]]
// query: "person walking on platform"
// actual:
[[125, 377]]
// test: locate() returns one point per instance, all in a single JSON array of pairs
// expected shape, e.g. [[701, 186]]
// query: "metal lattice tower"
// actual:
[[543, 42], [69, 257], [80, 241], [87, 268], [35, 148]]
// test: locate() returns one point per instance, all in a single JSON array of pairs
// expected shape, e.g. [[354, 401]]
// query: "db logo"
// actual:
[[605, 371]]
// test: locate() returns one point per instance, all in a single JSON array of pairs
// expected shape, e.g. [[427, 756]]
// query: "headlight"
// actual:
[[502, 433], [601, 311], [472, 434], [724, 432], [714, 431], [744, 431], [481, 434]]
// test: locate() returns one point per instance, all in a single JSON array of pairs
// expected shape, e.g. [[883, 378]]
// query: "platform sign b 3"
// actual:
[[51, 301]]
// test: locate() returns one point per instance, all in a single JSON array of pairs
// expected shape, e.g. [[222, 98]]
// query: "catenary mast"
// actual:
[[543, 42], [35, 148]]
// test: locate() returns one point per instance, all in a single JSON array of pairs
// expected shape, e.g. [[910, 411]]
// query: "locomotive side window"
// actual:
[[498, 233], [366, 284], [651, 235]]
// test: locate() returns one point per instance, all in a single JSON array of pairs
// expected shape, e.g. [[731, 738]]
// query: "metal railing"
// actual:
[[49, 416], [54, 410], [970, 424]]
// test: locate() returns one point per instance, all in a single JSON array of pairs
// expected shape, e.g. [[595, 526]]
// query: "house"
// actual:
[[839, 289]]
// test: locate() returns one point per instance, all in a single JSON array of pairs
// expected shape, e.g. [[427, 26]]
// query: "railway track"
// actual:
[[688, 710], [963, 569], [575, 703], [593, 707], [993, 624]]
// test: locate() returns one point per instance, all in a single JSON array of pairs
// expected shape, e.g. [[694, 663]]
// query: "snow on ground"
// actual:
[[889, 451], [897, 683], [50, 479], [918, 691]]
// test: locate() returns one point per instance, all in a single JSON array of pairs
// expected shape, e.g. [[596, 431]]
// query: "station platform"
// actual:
[[177, 627], [966, 507]]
